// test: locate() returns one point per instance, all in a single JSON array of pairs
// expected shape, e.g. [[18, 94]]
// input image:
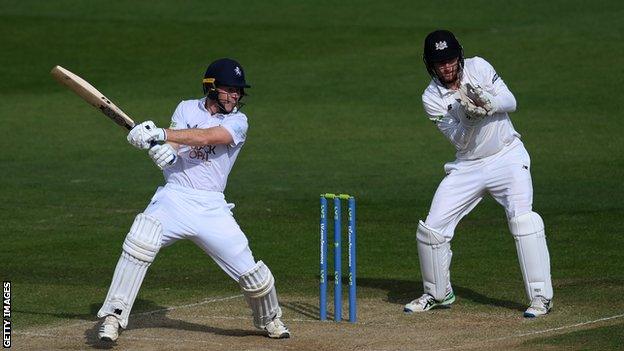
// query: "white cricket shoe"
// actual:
[[539, 307], [277, 330], [109, 329], [427, 302]]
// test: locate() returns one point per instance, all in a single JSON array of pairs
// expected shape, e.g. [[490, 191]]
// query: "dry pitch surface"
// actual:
[[225, 324]]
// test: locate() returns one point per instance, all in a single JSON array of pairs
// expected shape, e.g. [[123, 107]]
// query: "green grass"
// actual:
[[335, 107], [600, 338]]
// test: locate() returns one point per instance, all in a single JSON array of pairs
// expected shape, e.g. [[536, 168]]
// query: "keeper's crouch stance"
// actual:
[[469, 103]]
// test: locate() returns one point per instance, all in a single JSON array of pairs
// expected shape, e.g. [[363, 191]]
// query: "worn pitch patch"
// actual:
[[225, 324]]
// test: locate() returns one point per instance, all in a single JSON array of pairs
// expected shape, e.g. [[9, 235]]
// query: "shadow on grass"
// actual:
[[403, 291], [158, 319], [399, 292], [307, 309], [145, 320]]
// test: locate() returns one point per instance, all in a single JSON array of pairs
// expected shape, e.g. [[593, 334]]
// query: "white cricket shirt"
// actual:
[[490, 134], [206, 167]]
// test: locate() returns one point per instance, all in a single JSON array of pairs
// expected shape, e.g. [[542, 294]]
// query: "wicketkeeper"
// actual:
[[470, 104], [196, 155]]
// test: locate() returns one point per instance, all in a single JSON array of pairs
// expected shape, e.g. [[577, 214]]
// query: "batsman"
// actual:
[[196, 154], [470, 104]]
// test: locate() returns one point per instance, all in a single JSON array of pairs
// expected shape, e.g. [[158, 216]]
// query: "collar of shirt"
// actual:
[[447, 92], [444, 92]]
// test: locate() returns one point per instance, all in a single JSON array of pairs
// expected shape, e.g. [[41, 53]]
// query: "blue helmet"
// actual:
[[222, 72]]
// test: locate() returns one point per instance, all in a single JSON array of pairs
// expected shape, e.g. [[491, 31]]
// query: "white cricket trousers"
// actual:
[[206, 219], [505, 175]]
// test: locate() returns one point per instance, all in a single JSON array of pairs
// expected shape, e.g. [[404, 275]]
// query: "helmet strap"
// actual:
[[436, 77], [210, 89], [213, 95], [221, 107]]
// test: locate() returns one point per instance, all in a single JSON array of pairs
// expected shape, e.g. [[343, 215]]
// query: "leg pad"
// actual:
[[139, 250], [528, 233], [434, 253], [258, 286]]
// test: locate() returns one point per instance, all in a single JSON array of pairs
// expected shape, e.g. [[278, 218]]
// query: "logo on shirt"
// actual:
[[238, 71], [441, 45], [435, 119], [202, 152], [495, 78], [240, 131]]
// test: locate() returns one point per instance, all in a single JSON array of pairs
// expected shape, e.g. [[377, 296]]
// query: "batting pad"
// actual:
[[259, 289], [434, 254], [528, 232], [139, 250]]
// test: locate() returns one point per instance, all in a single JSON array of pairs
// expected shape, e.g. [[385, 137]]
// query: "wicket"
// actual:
[[338, 257]]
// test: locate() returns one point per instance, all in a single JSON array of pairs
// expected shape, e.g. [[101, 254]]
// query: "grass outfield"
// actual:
[[335, 107]]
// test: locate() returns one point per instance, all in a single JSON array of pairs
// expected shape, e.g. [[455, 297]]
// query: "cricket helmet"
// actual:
[[441, 45], [221, 72]]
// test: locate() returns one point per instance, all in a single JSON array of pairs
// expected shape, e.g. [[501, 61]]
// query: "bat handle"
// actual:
[[129, 128], [152, 143]]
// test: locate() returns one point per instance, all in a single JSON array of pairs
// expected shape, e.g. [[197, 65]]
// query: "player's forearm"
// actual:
[[457, 133], [505, 101], [199, 137], [175, 146]]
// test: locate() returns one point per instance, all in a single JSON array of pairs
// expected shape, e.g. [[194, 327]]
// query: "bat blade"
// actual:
[[91, 95]]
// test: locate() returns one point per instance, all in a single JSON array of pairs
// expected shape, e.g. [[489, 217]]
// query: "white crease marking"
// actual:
[[46, 332], [534, 332], [207, 301]]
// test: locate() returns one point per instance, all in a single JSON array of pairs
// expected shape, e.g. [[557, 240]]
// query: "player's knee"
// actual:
[[443, 225], [520, 201], [144, 239], [526, 224], [428, 235], [518, 208], [258, 281]]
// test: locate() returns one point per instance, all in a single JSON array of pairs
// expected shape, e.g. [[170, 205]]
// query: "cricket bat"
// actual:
[[93, 96]]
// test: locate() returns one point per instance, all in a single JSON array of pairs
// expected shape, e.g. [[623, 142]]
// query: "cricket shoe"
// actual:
[[539, 307], [427, 302], [109, 329], [277, 330]]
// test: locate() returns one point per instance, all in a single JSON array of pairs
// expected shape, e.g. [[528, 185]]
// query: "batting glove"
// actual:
[[164, 155], [144, 135]]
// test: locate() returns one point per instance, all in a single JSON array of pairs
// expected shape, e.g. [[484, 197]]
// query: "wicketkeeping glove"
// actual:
[[484, 99], [479, 98], [145, 134], [473, 112], [163, 155]]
